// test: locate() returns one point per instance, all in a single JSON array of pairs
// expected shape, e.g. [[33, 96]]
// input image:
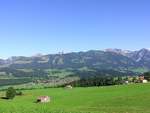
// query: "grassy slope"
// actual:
[[114, 99]]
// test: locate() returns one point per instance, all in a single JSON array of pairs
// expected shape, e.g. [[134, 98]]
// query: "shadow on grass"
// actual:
[[5, 98]]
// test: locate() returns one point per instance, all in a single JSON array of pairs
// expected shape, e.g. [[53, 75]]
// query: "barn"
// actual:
[[43, 99]]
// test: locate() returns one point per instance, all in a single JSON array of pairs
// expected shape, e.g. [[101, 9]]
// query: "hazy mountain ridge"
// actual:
[[109, 59], [89, 58]]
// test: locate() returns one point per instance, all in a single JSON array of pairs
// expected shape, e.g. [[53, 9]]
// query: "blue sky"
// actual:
[[28, 27]]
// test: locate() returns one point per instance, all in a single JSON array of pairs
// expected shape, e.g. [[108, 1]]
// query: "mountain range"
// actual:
[[118, 60]]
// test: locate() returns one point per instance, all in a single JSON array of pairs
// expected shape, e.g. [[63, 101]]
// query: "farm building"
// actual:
[[126, 82], [43, 99], [68, 87]]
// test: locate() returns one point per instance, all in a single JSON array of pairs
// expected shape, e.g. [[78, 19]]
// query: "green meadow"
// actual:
[[134, 98]]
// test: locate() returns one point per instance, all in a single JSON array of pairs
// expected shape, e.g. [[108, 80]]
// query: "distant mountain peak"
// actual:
[[144, 50], [118, 51]]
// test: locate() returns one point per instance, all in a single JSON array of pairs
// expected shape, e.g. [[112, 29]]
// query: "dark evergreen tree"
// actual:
[[147, 76]]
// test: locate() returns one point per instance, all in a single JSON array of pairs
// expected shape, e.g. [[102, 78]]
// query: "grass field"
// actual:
[[113, 99]]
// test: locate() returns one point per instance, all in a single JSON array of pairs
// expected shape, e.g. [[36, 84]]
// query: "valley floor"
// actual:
[[133, 98]]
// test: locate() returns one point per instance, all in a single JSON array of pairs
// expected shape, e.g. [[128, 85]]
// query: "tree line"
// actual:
[[108, 80]]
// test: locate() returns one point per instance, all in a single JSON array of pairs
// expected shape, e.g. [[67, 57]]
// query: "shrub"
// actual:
[[19, 93]]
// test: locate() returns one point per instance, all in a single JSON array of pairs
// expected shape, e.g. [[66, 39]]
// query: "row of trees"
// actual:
[[98, 81]]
